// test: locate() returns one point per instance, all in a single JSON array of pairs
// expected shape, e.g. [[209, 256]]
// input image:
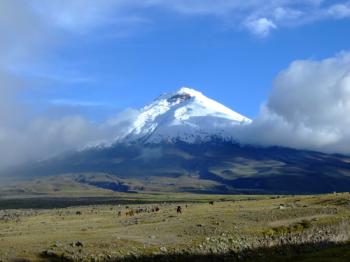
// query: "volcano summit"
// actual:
[[186, 115], [185, 142]]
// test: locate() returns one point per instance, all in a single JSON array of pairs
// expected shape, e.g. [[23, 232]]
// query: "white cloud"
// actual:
[[29, 139], [260, 27], [285, 14], [84, 15], [23, 135], [77, 103], [339, 11], [308, 107], [262, 16]]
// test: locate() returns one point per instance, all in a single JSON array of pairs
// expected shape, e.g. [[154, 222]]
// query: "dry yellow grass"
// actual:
[[26, 234]]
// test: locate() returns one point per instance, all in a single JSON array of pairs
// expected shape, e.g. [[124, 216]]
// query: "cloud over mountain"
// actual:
[[25, 135], [308, 107]]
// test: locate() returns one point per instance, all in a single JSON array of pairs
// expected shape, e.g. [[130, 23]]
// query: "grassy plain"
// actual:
[[234, 228]]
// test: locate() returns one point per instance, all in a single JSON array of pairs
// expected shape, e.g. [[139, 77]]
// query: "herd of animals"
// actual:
[[134, 211], [16, 215]]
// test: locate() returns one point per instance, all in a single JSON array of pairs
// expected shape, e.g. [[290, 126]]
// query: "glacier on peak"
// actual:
[[185, 115]]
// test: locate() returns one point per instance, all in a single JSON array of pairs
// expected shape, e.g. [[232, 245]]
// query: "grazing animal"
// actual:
[[179, 210], [119, 213], [130, 213], [211, 203], [157, 209], [78, 213], [79, 244]]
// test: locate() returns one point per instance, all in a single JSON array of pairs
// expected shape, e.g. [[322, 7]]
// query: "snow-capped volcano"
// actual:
[[185, 115]]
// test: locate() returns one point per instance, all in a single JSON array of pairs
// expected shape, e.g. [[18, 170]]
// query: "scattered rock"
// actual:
[[49, 253], [77, 244]]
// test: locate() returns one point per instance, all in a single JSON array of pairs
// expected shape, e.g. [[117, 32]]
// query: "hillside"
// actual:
[[185, 142], [213, 167]]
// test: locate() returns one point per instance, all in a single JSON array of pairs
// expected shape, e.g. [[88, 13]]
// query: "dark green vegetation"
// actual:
[[326, 252], [232, 228], [215, 167]]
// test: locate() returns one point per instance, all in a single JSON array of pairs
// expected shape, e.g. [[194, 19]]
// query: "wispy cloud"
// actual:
[[82, 16], [261, 27], [31, 29], [258, 17], [26, 37], [67, 102], [339, 11]]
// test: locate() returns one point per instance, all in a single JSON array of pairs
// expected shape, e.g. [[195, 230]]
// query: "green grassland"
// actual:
[[234, 228]]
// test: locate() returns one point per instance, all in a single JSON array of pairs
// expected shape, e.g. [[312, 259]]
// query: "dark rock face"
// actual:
[[179, 98], [114, 186]]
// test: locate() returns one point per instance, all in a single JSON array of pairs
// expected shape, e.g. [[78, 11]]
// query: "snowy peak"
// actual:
[[186, 115], [189, 91], [211, 106]]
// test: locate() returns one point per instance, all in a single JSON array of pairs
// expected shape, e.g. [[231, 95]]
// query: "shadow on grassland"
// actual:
[[320, 252]]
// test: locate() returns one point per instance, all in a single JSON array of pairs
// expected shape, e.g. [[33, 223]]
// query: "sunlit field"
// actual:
[[235, 228]]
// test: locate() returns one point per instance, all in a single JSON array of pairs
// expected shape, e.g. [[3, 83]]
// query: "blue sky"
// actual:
[[107, 66], [74, 72]]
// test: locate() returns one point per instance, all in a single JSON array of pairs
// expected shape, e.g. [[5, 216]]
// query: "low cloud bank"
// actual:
[[308, 108], [25, 136]]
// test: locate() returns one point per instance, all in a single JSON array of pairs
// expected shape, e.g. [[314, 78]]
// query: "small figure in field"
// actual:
[[157, 209], [79, 244], [211, 203], [179, 210], [78, 213], [119, 213], [130, 213]]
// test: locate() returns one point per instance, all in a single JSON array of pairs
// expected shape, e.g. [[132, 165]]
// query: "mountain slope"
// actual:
[[186, 115], [209, 167], [185, 142]]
